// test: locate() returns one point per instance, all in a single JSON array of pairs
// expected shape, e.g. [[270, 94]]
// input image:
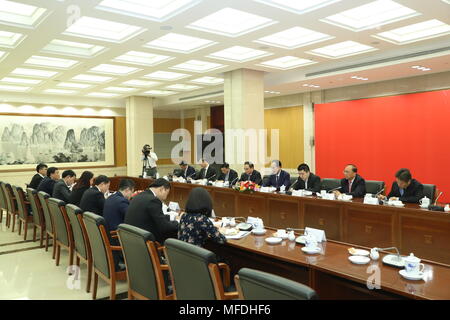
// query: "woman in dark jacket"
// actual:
[[84, 183], [195, 226]]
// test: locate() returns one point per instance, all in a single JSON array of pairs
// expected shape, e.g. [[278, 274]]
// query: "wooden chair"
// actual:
[[3, 204], [195, 273], [143, 264], [12, 206], [23, 212], [63, 230], [38, 215], [82, 246], [102, 253], [49, 225]]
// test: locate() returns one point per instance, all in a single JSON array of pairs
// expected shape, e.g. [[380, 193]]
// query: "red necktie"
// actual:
[[350, 186]]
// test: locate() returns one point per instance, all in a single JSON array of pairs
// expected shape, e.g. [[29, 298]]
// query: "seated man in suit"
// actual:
[[352, 184], [48, 183], [306, 179], [41, 170], [116, 205], [93, 199], [228, 174], [61, 190], [278, 177], [405, 188], [207, 172], [146, 212], [250, 174], [187, 171]]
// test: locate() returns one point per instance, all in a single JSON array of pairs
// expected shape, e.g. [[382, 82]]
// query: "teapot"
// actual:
[[425, 202], [291, 236], [374, 254]]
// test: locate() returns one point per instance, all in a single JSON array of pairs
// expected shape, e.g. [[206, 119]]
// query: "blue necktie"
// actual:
[[402, 191]]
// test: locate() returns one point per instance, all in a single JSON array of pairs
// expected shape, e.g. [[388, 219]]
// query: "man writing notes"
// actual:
[[207, 172], [352, 184], [228, 174], [250, 174], [279, 177], [306, 179], [187, 171], [405, 188]]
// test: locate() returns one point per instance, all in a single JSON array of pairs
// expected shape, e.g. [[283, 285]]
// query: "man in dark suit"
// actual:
[[207, 172], [93, 199], [250, 174], [352, 184], [61, 190], [228, 174], [116, 205], [48, 183], [187, 171], [41, 170], [306, 179], [146, 212], [405, 188], [279, 177]]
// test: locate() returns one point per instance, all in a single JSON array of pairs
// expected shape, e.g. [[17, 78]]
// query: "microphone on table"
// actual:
[[215, 174], [292, 187], [233, 181], [334, 189], [435, 201], [379, 192], [191, 175]]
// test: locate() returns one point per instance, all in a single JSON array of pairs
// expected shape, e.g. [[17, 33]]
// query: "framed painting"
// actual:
[[60, 141]]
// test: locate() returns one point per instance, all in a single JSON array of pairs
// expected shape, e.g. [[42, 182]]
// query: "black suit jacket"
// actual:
[[210, 175], [313, 183], [232, 176], [358, 187], [93, 201], [283, 180], [254, 177], [35, 181], [190, 172], [413, 193], [145, 212], [47, 184], [61, 191], [76, 195]]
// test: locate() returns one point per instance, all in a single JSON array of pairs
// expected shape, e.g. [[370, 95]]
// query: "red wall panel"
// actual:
[[382, 135]]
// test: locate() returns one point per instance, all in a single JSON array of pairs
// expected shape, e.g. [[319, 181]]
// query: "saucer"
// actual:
[[311, 250], [259, 232], [411, 276], [359, 259], [273, 240], [285, 236], [424, 207], [301, 240], [359, 252]]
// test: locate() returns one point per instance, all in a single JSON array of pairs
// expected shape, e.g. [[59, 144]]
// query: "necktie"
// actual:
[[276, 177], [350, 186], [402, 191], [204, 174]]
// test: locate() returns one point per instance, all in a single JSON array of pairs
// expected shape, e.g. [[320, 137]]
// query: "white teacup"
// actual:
[[310, 241], [281, 233], [323, 192], [413, 265]]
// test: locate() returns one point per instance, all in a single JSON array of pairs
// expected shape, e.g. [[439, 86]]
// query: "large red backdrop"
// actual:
[[382, 135]]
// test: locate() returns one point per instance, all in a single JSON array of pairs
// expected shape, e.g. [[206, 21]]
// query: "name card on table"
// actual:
[[318, 234], [257, 223], [370, 200]]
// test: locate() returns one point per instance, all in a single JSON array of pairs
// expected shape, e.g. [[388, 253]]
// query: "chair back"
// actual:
[[75, 215], [189, 268], [95, 225], [9, 197], [257, 285], [43, 199], [3, 204], [36, 208], [63, 229], [22, 208], [373, 186], [429, 190], [141, 271], [330, 183]]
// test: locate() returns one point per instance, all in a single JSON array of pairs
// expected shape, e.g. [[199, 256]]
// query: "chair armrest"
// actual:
[[164, 267], [116, 248], [231, 295], [113, 232], [115, 236], [225, 273]]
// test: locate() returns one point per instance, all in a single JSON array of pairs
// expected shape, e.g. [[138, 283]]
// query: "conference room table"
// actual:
[[347, 224]]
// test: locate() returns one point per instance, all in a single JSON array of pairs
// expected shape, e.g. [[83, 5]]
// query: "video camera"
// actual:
[[146, 150]]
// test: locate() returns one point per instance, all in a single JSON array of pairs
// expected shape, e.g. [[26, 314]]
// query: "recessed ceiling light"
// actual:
[[179, 43], [231, 22], [311, 85], [73, 85], [70, 48], [166, 75], [13, 88], [198, 66], [342, 49], [91, 78], [159, 93], [99, 29], [34, 73], [208, 80], [360, 78], [141, 83], [286, 63], [371, 15], [294, 38], [157, 10], [20, 80], [421, 68], [182, 87], [114, 69], [298, 7], [142, 58], [51, 62], [415, 32], [120, 89], [20, 14], [272, 92], [239, 54], [10, 39], [446, 1], [102, 94], [60, 91], [213, 101]]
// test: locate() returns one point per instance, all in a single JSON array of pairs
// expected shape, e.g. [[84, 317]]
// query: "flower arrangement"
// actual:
[[247, 186]]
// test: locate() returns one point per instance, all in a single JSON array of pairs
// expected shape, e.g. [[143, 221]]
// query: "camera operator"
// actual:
[[149, 159]]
